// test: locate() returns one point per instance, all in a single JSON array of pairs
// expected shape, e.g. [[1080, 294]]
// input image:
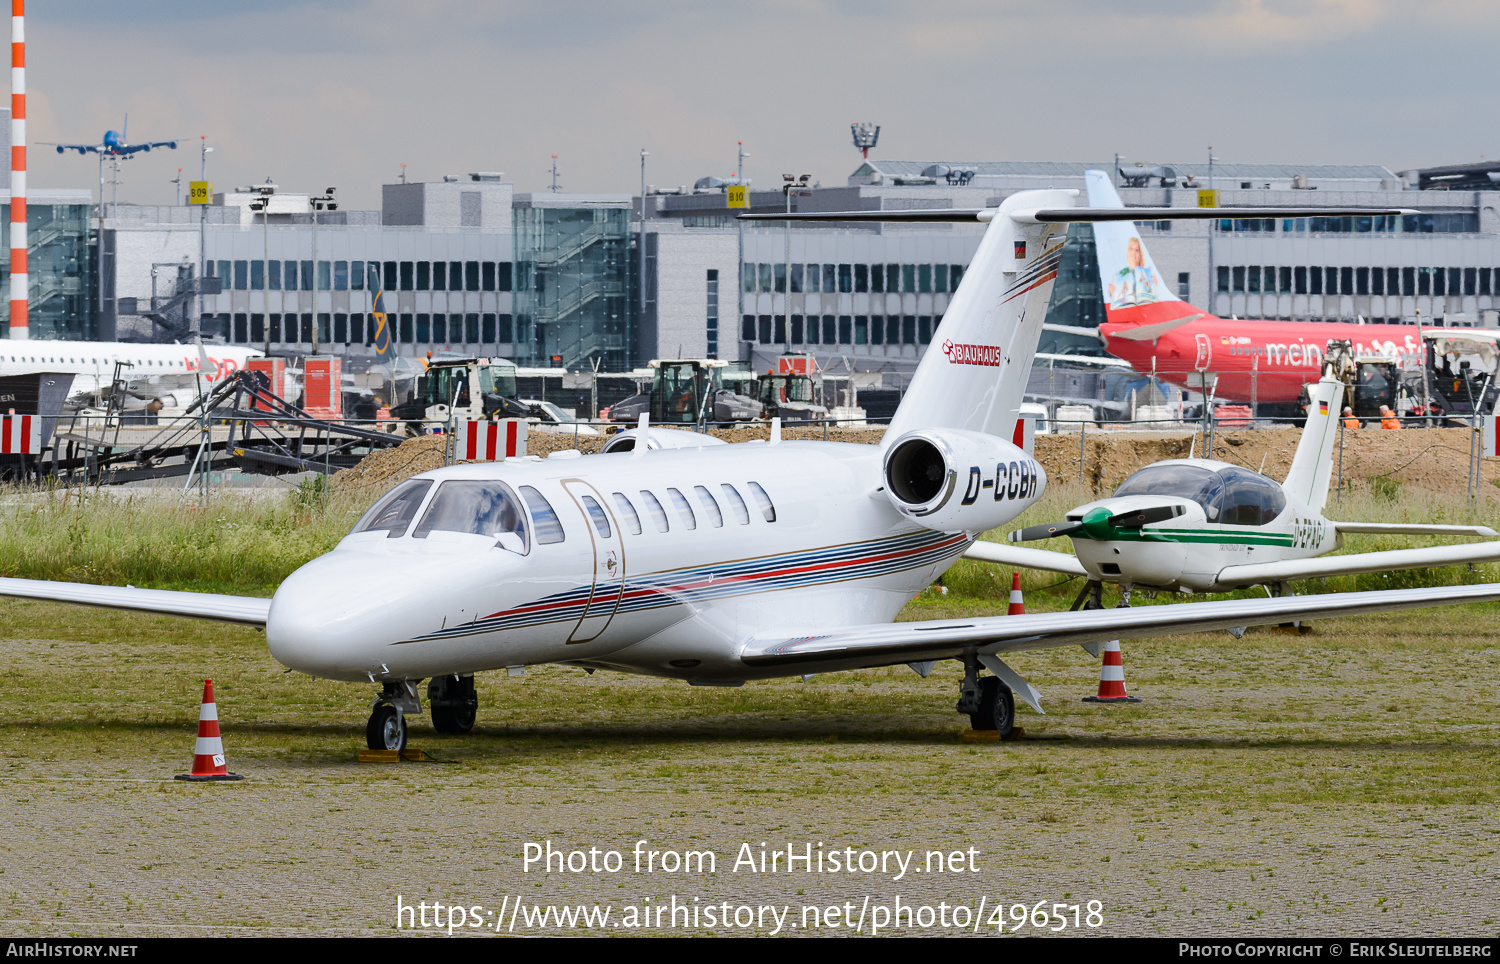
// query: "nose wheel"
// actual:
[[386, 729]]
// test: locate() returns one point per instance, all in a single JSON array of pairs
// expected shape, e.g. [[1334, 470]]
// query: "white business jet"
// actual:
[[1200, 525], [720, 564]]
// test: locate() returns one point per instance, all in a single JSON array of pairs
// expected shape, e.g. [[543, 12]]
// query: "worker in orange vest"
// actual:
[[1349, 420], [1388, 418]]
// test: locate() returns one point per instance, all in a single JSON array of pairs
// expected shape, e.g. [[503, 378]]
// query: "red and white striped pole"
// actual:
[[18, 279]]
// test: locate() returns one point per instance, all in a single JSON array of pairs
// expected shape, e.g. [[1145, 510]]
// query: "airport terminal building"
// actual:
[[565, 280]]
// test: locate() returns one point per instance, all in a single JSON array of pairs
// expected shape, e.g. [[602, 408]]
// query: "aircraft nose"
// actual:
[[330, 617]]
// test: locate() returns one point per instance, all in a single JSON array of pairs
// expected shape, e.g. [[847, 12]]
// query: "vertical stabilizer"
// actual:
[[1134, 291], [1312, 466], [974, 373]]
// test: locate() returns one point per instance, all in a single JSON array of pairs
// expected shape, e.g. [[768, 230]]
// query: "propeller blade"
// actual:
[[1052, 531], [1136, 518]]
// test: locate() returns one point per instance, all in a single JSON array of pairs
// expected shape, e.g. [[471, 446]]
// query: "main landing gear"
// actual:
[[454, 704], [989, 703]]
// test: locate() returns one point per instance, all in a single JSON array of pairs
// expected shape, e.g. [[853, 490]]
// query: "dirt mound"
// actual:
[[1436, 459]]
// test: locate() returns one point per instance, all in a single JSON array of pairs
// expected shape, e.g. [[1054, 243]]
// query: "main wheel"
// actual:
[[386, 729], [997, 707], [454, 708], [453, 719]]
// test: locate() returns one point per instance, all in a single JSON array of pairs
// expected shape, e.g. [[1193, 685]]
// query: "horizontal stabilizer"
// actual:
[[1425, 558], [884, 644], [1025, 558], [1078, 215], [199, 605]]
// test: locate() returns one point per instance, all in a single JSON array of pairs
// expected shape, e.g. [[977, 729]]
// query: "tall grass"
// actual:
[[236, 542]]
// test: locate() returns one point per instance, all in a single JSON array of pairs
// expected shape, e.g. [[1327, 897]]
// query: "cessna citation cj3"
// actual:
[[721, 564]]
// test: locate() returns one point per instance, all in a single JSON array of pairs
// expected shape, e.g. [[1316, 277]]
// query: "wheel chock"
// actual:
[[392, 756], [991, 736]]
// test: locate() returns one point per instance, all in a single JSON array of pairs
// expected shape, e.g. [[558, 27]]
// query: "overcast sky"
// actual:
[[343, 92]]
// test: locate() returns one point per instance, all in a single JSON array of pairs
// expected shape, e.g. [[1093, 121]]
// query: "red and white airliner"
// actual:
[[1154, 330], [92, 363]]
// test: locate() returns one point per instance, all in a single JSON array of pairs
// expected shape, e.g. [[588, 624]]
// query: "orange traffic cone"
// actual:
[[1112, 678], [1017, 607], [208, 752]]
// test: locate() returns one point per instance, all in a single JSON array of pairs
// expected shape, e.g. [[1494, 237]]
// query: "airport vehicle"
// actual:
[[789, 397], [720, 564], [1199, 525], [92, 363], [1150, 327], [547, 417], [686, 391], [461, 387]]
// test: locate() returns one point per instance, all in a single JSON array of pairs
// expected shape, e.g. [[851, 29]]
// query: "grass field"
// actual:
[[1338, 782]]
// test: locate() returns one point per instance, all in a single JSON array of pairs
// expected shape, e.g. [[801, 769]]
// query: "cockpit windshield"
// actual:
[[394, 512], [1231, 496], [1184, 481], [482, 508]]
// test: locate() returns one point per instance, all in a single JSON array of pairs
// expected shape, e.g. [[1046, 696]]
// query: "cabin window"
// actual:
[[482, 508], [736, 504], [767, 509], [544, 521], [1248, 499], [710, 506], [597, 516], [394, 513], [628, 513], [658, 514], [684, 509]]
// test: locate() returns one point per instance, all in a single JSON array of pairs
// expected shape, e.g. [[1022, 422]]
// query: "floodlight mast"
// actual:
[[865, 136]]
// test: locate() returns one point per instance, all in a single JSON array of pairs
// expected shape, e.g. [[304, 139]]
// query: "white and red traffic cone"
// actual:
[[208, 752], [1112, 678], [1017, 606]]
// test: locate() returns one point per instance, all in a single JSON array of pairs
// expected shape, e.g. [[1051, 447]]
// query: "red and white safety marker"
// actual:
[[480, 441], [1017, 606], [20, 435], [208, 752], [1112, 678]]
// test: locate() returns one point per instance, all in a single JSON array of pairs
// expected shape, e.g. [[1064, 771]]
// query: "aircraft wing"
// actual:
[[1402, 529], [80, 148], [1009, 555], [135, 148], [251, 610], [1425, 558], [889, 643]]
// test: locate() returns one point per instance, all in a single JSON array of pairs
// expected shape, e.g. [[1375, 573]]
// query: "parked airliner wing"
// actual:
[[200, 605], [1008, 555], [888, 643], [1261, 573]]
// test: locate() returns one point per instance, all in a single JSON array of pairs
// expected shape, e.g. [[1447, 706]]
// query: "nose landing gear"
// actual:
[[386, 729]]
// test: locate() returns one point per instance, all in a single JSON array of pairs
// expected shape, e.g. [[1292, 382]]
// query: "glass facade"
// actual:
[[1077, 301], [59, 266], [572, 287]]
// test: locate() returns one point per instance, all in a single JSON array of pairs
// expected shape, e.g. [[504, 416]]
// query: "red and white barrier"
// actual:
[[489, 441], [20, 435], [208, 751]]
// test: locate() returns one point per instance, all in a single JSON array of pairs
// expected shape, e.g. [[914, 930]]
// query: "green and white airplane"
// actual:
[[1199, 525]]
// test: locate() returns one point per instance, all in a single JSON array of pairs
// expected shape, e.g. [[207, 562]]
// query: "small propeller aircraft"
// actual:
[[720, 564], [1199, 525]]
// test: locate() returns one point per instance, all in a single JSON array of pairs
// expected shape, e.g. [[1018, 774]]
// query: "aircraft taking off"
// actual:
[[1150, 327], [725, 563], [1198, 525]]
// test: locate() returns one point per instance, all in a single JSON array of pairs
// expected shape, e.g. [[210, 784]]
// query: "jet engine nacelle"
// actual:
[[950, 479]]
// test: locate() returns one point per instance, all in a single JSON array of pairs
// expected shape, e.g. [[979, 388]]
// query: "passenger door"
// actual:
[[609, 560]]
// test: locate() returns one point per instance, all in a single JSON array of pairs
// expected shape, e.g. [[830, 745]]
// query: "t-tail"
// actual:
[[1312, 465]]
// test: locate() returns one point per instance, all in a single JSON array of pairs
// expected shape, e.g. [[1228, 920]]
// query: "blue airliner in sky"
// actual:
[[113, 145]]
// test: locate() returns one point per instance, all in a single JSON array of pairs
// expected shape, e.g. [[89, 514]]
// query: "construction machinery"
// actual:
[[687, 391], [461, 388]]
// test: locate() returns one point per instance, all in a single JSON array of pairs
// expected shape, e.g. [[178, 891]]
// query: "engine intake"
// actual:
[[951, 479]]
